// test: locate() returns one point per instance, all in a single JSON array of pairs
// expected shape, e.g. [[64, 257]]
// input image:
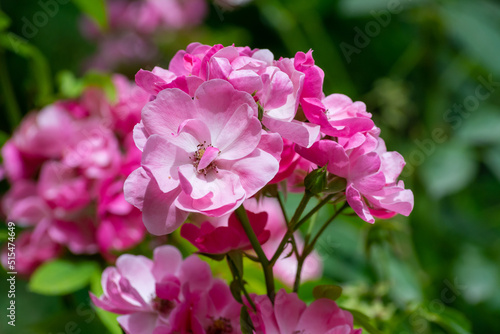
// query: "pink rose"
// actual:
[[289, 314], [167, 295], [205, 155]]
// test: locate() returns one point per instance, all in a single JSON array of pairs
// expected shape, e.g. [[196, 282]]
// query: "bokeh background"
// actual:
[[429, 72]]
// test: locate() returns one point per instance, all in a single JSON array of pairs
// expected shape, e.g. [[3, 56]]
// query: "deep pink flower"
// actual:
[[370, 171], [96, 153], [206, 155], [314, 75], [177, 14], [126, 112], [23, 205], [167, 295], [67, 164], [120, 224], [338, 115], [224, 238], [291, 315]]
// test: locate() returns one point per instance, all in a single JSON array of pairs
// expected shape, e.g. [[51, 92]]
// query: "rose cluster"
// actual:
[[66, 165], [224, 122], [171, 295]]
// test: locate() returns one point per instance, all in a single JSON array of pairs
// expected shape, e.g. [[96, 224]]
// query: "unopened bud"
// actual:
[[315, 181]]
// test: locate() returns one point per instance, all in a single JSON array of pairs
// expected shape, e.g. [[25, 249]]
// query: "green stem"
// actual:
[[300, 263], [282, 206], [266, 265], [313, 211], [298, 212], [240, 282]]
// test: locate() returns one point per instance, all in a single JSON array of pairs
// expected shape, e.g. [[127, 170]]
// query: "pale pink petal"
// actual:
[[167, 260], [358, 204], [245, 80], [288, 309], [161, 159], [304, 134], [392, 165], [153, 82], [140, 135], [240, 135], [137, 270], [138, 323], [271, 143], [164, 114], [135, 187], [254, 171], [159, 214], [324, 315], [217, 112]]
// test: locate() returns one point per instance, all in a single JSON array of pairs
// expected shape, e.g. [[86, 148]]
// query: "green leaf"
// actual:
[[449, 168], [108, 319], [245, 321], [235, 260], [69, 85], [451, 320], [61, 277], [478, 29], [215, 257], [362, 320], [481, 127], [327, 291], [39, 65], [96, 9], [236, 291]]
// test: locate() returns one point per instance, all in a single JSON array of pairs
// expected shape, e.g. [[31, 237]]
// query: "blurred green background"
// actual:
[[429, 72]]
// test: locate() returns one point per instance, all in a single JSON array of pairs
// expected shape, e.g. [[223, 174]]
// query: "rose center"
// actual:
[[163, 306], [220, 326], [204, 158]]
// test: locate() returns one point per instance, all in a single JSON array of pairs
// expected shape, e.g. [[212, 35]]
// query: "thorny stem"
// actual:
[[266, 265]]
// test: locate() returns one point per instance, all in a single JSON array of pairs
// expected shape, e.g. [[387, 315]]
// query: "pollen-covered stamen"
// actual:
[[204, 158], [220, 326], [163, 306]]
